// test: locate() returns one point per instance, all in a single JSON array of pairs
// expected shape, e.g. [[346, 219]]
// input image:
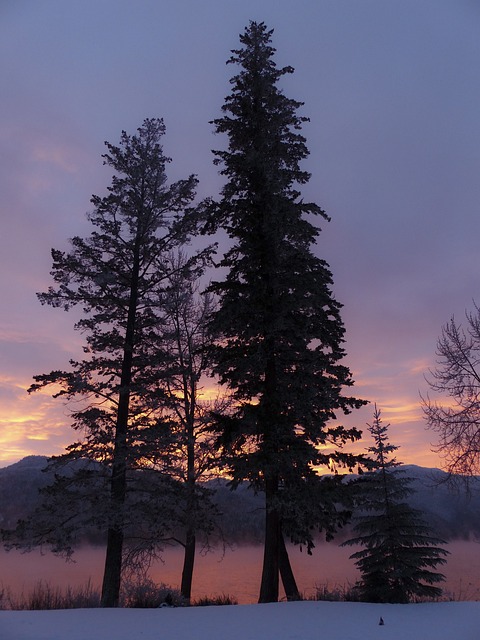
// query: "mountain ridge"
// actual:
[[452, 512]]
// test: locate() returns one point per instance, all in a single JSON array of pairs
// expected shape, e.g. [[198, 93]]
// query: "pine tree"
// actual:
[[116, 276], [280, 331], [399, 553]]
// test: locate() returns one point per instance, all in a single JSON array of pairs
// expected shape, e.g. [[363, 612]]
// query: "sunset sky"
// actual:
[[392, 88]]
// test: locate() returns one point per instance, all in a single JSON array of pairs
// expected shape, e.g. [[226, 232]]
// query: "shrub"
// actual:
[[215, 601], [146, 594], [336, 594], [3, 596], [44, 596]]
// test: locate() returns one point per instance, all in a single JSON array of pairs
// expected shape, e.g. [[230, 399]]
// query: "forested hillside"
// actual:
[[452, 512]]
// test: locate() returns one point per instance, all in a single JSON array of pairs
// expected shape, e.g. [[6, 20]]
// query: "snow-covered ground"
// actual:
[[283, 621]]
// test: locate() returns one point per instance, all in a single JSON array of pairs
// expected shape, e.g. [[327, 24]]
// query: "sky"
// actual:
[[392, 90]]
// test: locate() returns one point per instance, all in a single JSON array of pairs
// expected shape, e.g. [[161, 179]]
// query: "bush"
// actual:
[[336, 594], [215, 601], [146, 594], [43, 596]]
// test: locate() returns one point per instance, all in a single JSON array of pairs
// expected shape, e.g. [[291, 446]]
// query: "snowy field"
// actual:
[[283, 621]]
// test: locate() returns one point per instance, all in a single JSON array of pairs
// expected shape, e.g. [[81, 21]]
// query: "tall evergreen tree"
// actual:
[[116, 276], [399, 552], [280, 329]]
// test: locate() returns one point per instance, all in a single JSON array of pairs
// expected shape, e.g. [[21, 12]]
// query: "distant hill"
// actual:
[[19, 486], [452, 513], [449, 509]]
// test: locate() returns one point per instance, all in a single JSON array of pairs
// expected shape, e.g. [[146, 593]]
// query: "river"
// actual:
[[235, 572]]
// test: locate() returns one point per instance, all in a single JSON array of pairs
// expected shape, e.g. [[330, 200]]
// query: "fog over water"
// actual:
[[235, 572]]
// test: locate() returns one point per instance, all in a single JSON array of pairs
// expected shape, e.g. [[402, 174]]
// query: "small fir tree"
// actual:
[[280, 331], [400, 554]]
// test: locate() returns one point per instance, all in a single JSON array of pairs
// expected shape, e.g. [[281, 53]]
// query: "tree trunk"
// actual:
[[286, 572], [113, 568], [190, 394], [113, 557], [118, 483], [118, 486], [188, 563], [269, 584], [270, 579]]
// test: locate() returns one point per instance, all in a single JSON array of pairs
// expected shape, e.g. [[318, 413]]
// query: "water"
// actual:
[[235, 572]]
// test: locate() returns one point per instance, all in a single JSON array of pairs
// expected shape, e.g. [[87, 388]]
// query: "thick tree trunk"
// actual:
[[118, 483], [113, 568], [113, 557], [118, 487], [286, 572], [188, 564], [269, 584]]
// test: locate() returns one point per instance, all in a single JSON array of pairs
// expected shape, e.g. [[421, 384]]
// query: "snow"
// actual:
[[282, 621]]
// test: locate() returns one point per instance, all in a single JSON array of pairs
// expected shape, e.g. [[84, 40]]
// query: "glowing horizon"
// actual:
[[37, 424]]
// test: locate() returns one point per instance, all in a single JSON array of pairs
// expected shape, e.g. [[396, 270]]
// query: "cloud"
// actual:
[[58, 156], [29, 424]]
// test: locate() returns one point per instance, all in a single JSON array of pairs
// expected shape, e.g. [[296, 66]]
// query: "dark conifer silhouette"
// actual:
[[117, 277], [400, 554], [280, 331]]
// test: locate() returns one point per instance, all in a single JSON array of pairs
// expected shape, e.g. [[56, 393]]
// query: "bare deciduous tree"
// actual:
[[456, 417], [195, 456]]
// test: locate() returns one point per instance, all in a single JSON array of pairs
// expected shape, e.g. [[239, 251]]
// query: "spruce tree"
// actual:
[[400, 554], [279, 326], [117, 276]]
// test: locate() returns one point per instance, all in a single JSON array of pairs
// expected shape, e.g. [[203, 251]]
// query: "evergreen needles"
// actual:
[[400, 555], [280, 331]]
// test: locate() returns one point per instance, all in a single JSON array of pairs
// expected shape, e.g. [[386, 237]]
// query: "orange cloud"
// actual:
[[29, 424], [37, 424], [390, 387]]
